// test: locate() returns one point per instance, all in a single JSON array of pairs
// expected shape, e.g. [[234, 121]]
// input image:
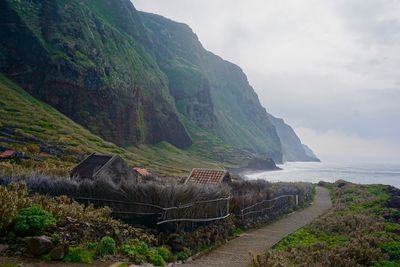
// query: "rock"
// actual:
[[3, 247], [58, 253], [39, 245], [393, 202], [262, 164]]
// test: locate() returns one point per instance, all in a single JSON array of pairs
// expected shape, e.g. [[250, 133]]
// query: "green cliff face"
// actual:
[[211, 92], [85, 58], [131, 77]]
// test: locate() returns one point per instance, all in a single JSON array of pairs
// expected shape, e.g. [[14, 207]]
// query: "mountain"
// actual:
[[134, 79], [211, 92], [292, 148]]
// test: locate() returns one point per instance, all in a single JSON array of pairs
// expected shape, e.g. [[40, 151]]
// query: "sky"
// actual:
[[329, 68]]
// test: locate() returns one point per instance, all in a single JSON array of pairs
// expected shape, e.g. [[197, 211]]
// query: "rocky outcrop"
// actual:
[[266, 164]]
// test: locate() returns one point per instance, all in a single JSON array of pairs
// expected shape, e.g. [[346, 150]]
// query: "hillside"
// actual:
[[136, 80], [55, 143]]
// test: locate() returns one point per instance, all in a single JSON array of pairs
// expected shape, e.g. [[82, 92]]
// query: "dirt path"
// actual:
[[237, 253]]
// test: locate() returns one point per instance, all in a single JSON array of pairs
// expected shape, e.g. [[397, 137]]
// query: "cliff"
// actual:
[[292, 148]]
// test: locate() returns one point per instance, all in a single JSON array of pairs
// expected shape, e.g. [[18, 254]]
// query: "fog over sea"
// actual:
[[388, 174]]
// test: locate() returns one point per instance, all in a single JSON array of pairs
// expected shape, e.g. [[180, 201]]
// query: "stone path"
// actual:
[[237, 253]]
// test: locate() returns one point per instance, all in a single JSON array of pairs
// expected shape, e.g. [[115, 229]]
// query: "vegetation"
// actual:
[[32, 220], [107, 246], [140, 253], [79, 255], [362, 229]]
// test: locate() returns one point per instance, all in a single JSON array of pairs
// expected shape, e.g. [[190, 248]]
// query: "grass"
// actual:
[[53, 128], [359, 230]]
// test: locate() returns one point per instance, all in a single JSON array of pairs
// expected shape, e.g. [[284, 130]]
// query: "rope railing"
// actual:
[[274, 200], [197, 211], [183, 212]]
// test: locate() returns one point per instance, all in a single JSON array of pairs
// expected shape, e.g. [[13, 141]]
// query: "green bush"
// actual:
[[138, 254], [92, 246], [392, 249], [79, 255], [55, 237], [237, 232], [387, 264], [166, 254], [106, 246], [33, 220], [156, 259], [182, 256]]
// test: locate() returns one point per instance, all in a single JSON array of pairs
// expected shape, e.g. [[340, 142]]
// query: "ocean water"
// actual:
[[314, 172]]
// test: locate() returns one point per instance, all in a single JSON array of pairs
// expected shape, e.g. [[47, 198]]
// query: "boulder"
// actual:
[[39, 245], [58, 252]]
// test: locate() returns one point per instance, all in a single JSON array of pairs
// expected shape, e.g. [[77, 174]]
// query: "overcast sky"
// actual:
[[330, 68]]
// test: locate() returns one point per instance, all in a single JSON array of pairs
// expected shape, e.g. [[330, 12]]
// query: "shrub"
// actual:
[[78, 255], [237, 232], [33, 220], [156, 259], [392, 249], [106, 246], [137, 253], [182, 256], [166, 254], [13, 198], [55, 237]]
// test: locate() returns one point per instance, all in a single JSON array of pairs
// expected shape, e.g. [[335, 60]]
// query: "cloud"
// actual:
[[327, 65]]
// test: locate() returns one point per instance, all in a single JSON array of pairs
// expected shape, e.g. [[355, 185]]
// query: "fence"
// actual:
[[198, 211], [267, 205]]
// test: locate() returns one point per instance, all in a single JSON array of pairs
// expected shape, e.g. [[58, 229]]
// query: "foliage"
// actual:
[[182, 256], [165, 253], [392, 248], [55, 237], [79, 255], [140, 253], [237, 232], [33, 220], [106, 246]]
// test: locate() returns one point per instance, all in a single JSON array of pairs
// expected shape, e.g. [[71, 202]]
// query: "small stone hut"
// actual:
[[96, 166], [208, 177]]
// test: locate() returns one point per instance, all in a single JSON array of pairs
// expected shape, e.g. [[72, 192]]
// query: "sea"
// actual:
[[388, 174]]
